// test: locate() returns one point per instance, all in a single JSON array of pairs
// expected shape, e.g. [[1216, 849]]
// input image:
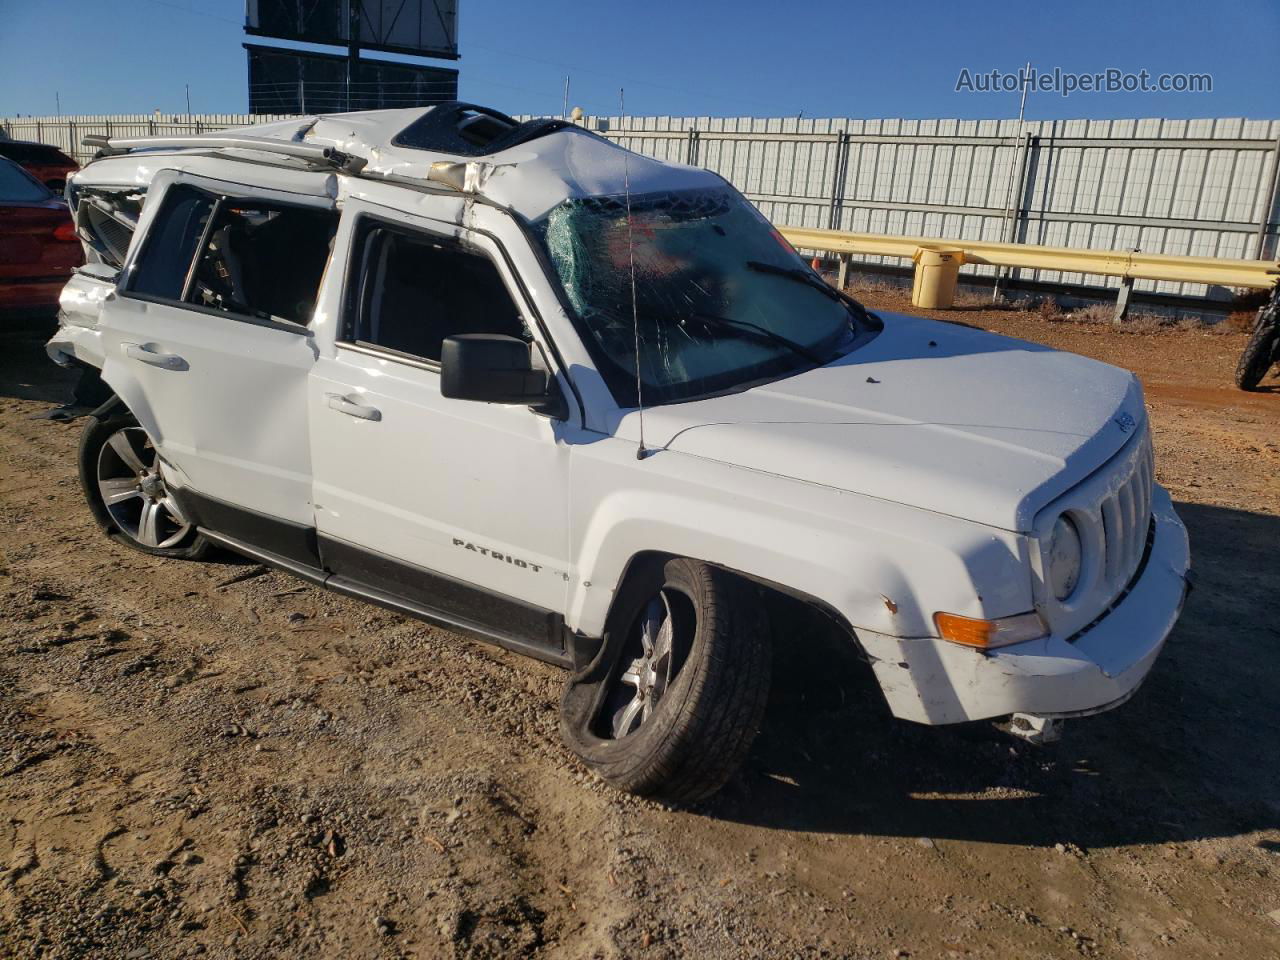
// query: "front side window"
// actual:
[[411, 291], [235, 256], [720, 300]]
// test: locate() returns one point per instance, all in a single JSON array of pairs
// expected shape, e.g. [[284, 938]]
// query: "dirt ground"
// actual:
[[211, 759]]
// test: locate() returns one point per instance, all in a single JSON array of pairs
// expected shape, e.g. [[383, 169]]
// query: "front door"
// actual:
[[207, 342], [458, 506]]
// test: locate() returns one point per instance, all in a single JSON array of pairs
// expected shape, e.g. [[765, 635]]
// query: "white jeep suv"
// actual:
[[514, 379]]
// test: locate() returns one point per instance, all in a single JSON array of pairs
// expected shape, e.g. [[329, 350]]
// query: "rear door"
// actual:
[[207, 341]]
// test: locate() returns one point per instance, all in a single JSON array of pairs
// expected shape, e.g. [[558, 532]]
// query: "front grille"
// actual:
[[1119, 597], [1112, 511], [1126, 515]]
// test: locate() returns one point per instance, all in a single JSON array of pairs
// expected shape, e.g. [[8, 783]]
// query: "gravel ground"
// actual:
[[217, 760]]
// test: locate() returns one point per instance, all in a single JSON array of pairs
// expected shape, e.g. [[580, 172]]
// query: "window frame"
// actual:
[[129, 274], [353, 294]]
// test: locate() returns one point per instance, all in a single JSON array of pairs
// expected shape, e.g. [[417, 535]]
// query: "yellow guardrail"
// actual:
[[1112, 263]]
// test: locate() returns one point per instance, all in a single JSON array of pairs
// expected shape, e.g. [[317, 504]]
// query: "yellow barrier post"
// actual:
[[934, 284]]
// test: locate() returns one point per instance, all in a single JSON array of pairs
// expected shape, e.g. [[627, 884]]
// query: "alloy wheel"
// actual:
[[134, 492], [662, 633]]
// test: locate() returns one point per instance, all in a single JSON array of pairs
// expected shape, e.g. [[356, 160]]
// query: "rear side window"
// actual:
[[235, 256], [410, 292], [33, 153], [18, 186], [162, 267], [264, 261]]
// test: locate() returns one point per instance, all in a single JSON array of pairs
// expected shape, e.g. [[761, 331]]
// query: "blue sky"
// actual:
[[749, 58]]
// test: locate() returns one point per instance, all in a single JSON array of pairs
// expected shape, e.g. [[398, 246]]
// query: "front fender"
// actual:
[[883, 567]]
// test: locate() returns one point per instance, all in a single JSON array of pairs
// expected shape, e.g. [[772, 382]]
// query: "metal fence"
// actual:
[[67, 133], [1192, 187]]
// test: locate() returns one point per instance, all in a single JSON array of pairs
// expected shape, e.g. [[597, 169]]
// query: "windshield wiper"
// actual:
[[746, 326], [795, 273], [817, 283]]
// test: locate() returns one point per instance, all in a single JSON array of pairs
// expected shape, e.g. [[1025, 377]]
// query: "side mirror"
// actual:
[[493, 368]]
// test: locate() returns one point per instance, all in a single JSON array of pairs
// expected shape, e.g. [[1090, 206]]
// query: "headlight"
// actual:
[[1065, 553]]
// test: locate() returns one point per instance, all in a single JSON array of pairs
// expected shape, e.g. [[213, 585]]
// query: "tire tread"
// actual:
[[721, 711], [1256, 358]]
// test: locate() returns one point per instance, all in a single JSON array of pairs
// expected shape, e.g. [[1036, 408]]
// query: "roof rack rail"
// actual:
[[304, 151]]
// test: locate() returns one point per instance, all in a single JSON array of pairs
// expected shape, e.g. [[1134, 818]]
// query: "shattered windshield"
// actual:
[[721, 300]]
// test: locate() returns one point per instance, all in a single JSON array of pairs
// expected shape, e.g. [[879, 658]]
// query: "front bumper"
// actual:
[[935, 682]]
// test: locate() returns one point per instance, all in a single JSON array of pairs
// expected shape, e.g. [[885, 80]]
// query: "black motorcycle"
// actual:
[[1263, 348]]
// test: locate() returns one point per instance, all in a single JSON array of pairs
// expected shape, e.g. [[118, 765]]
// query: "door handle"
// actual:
[[340, 403], [166, 361]]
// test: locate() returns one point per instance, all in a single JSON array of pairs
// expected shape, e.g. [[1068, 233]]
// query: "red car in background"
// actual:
[[47, 164], [38, 244]]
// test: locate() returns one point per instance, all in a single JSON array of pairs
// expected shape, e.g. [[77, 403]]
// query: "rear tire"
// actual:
[[671, 706], [1259, 352], [126, 493]]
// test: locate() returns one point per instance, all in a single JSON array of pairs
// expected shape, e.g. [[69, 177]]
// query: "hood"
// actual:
[[934, 415]]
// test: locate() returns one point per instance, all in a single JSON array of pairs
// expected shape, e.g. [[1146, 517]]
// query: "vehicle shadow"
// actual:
[[26, 372], [1191, 756]]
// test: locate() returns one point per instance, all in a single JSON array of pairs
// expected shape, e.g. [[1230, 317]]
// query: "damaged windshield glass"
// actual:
[[717, 306]]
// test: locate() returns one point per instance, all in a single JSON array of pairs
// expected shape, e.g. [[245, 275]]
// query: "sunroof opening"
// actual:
[[482, 129], [469, 130]]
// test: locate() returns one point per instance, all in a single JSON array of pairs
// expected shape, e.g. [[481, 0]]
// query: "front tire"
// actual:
[[1260, 351], [673, 703], [125, 489]]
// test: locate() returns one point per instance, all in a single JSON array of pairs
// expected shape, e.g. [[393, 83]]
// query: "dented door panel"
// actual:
[[223, 400]]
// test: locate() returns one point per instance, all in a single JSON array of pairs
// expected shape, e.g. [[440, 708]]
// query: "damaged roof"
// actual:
[[529, 167]]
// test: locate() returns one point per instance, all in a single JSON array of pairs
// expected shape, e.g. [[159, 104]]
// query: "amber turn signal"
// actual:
[[986, 634]]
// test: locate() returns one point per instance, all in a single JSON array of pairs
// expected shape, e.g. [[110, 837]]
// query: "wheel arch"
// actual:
[[645, 560], [112, 406]]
